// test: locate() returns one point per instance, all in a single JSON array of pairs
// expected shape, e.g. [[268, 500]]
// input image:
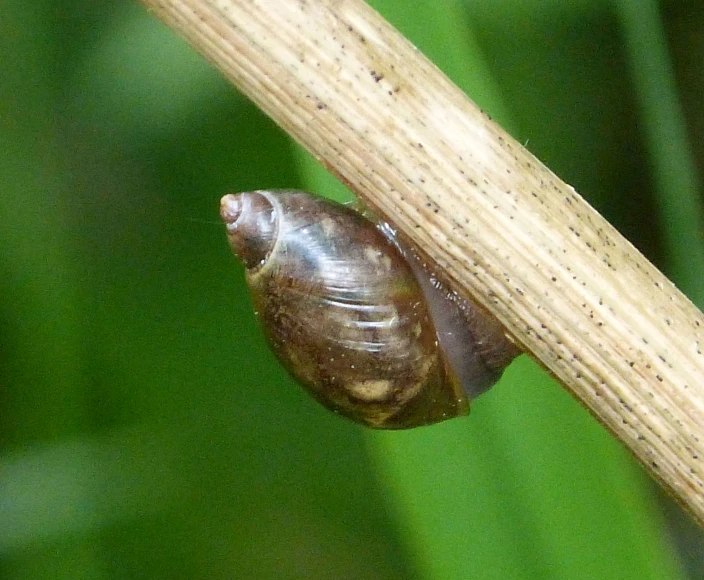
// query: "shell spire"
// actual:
[[252, 226]]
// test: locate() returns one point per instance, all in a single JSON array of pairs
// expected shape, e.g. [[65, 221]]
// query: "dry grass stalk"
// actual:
[[498, 224]]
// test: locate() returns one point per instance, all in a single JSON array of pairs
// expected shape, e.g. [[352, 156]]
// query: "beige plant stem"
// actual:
[[499, 225]]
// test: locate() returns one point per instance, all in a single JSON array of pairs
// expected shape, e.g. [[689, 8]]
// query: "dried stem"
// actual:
[[499, 224]]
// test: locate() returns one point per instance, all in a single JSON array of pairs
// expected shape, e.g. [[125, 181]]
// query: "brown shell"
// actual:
[[342, 310]]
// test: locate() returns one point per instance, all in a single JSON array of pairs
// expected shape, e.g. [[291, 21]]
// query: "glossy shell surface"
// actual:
[[344, 312]]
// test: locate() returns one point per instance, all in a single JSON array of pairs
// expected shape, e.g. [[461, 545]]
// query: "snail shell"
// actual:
[[354, 317]]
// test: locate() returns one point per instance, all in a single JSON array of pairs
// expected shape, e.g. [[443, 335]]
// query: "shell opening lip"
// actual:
[[230, 209]]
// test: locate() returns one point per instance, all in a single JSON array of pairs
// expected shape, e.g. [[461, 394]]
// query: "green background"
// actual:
[[145, 429]]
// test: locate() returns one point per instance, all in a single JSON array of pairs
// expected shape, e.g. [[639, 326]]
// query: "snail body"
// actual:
[[353, 316]]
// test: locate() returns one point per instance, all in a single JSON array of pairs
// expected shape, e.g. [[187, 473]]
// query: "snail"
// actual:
[[354, 316]]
